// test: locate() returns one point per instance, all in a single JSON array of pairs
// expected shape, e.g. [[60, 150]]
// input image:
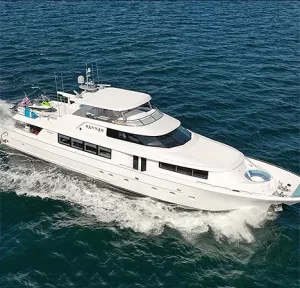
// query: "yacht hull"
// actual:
[[139, 182]]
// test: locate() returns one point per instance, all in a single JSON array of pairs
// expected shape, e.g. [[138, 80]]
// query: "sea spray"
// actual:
[[6, 121], [36, 178]]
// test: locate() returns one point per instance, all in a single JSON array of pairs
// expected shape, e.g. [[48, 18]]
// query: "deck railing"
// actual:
[[150, 118], [156, 115]]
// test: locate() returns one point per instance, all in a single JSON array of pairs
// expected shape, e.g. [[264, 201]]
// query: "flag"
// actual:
[[25, 102]]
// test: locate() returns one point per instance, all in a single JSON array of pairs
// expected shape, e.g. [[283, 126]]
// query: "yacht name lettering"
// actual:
[[94, 128]]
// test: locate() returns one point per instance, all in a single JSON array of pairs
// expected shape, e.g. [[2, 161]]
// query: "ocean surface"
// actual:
[[227, 69]]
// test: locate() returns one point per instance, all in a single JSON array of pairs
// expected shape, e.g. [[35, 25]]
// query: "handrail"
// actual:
[[227, 188], [140, 120], [154, 116]]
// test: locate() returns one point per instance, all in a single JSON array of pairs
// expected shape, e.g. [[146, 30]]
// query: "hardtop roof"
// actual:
[[114, 99]]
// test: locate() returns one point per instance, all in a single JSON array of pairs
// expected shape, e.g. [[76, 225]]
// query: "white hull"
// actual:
[[152, 184], [118, 137]]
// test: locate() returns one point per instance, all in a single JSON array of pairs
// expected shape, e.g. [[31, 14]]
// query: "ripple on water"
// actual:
[[228, 70]]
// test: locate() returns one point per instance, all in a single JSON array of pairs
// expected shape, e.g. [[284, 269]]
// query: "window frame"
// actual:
[[77, 140], [94, 148], [202, 174], [184, 171], [169, 140], [66, 137], [162, 164], [143, 164], [135, 162], [91, 145], [107, 156]]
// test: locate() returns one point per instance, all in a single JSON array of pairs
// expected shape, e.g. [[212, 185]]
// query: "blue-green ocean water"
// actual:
[[227, 69]]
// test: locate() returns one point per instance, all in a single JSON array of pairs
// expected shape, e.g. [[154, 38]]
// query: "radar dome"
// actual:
[[81, 79]]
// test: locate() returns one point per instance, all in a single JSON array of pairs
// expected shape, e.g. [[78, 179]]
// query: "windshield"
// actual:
[[177, 137]]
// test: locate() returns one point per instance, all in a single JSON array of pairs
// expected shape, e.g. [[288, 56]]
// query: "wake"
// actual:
[[35, 178], [6, 122]]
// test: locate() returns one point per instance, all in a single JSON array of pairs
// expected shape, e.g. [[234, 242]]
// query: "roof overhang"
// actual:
[[114, 99]]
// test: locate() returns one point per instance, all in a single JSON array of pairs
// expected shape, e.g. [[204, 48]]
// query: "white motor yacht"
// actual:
[[118, 137]]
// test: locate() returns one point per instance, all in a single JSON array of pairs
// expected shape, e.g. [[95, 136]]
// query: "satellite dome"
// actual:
[[81, 79]]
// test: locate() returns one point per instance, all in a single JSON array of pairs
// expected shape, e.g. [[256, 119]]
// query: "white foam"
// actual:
[[6, 122], [36, 178], [26, 176]]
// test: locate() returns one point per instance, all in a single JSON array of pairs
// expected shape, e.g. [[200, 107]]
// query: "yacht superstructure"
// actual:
[[117, 136]]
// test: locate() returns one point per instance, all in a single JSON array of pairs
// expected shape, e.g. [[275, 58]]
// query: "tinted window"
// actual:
[[200, 174], [150, 141], [132, 138], [78, 144], [143, 164], [91, 148], [112, 133], [169, 141], [135, 162], [104, 152], [65, 140], [175, 138], [184, 170], [167, 166], [88, 147], [181, 134]]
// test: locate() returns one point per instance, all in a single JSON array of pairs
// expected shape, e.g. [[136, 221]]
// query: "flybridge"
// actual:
[[103, 95], [113, 105], [114, 99], [106, 97], [139, 116]]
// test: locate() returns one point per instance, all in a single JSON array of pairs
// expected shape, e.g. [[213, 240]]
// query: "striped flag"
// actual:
[[25, 102]]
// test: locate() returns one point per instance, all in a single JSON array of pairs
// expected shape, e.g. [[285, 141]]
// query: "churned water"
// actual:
[[227, 69]]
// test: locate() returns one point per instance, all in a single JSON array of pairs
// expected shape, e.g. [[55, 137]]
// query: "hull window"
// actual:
[[85, 146], [77, 144], [167, 166], [184, 170], [104, 152], [135, 162], [143, 164], [65, 140], [90, 148], [200, 174]]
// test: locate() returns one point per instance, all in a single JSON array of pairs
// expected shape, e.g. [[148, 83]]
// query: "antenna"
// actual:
[[57, 94], [55, 83], [62, 86], [93, 72], [62, 82], [97, 72], [86, 72]]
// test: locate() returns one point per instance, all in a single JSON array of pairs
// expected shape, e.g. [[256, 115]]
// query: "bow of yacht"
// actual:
[[118, 137]]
